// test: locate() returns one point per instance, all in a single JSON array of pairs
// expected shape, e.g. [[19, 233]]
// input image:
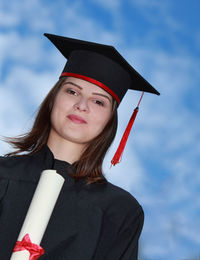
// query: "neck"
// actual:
[[63, 149]]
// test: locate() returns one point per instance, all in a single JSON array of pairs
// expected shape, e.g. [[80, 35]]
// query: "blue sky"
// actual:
[[161, 39]]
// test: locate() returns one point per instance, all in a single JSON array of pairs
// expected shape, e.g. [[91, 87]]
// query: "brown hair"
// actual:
[[89, 166]]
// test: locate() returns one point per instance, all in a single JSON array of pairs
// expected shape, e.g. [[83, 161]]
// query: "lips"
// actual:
[[76, 119]]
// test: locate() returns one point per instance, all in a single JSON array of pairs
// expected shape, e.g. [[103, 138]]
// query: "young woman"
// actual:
[[74, 127]]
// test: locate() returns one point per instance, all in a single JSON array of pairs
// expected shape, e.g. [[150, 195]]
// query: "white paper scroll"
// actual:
[[40, 210]]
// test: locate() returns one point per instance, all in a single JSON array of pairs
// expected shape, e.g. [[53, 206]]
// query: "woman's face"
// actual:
[[81, 110]]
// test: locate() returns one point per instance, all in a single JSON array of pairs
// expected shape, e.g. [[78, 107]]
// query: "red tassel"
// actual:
[[118, 155]]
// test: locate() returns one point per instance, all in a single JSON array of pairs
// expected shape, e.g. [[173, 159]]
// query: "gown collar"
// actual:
[[49, 162]]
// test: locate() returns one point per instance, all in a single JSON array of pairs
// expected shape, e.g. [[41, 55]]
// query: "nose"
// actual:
[[82, 105]]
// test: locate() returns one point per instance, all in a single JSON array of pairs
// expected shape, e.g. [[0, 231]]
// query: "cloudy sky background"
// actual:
[[161, 39]]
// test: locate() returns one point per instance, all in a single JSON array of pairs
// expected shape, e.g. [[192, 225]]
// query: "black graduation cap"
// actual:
[[100, 64], [104, 66]]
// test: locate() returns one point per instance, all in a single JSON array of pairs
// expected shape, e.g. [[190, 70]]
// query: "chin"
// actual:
[[76, 139]]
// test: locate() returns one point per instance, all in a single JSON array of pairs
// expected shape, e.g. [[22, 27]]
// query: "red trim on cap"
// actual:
[[94, 81]]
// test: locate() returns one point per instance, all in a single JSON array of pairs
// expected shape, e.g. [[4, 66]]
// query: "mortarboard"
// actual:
[[103, 66]]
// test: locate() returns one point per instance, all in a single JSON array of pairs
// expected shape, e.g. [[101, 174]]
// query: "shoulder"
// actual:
[[120, 208], [10, 164], [113, 199], [26, 167], [121, 199]]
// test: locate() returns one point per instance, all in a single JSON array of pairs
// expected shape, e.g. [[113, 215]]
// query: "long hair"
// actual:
[[89, 165]]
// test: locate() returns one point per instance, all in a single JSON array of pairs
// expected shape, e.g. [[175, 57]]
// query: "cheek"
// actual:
[[57, 111], [60, 105], [101, 120]]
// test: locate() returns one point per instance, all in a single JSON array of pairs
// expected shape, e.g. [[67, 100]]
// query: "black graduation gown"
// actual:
[[89, 222]]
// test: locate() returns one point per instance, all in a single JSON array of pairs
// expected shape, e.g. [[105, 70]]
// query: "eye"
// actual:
[[99, 102], [71, 91]]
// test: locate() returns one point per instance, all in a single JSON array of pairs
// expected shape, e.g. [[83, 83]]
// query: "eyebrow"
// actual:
[[72, 83], [94, 93]]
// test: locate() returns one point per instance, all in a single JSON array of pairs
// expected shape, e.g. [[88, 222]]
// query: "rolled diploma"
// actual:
[[40, 210]]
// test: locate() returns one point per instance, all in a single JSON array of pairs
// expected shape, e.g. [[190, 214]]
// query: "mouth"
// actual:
[[76, 119]]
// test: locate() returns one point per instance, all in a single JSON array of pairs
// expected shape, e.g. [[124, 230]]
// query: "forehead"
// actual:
[[86, 85]]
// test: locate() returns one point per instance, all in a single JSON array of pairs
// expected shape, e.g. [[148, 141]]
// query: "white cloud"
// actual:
[[12, 116], [33, 13], [21, 49], [110, 5], [8, 19], [128, 174], [84, 27], [157, 12]]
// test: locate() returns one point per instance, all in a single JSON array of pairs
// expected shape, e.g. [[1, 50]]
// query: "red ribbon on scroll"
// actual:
[[35, 250]]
